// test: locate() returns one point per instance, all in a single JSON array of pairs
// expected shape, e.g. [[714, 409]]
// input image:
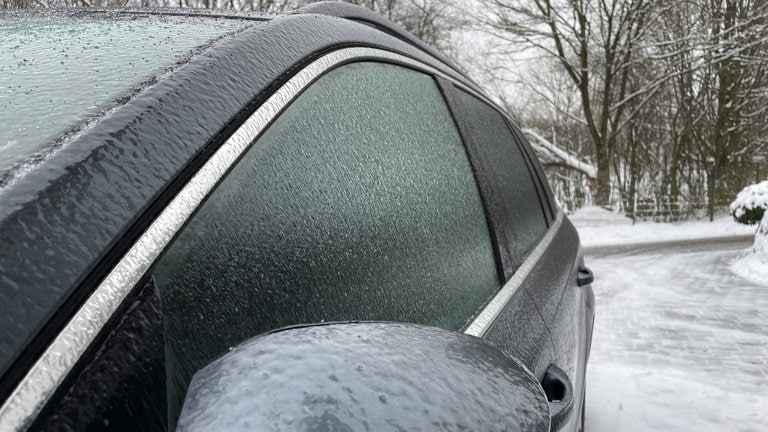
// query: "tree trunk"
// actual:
[[603, 193]]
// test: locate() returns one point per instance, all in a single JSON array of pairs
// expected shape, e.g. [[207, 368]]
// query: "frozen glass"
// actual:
[[358, 203], [56, 72], [523, 212]]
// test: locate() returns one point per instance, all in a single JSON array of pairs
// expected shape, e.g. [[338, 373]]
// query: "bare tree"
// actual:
[[739, 43], [432, 21], [596, 42]]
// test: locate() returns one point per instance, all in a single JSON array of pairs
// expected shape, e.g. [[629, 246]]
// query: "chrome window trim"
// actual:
[[42, 380], [480, 325]]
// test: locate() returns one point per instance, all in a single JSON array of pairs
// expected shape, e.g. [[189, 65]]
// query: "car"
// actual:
[[302, 221]]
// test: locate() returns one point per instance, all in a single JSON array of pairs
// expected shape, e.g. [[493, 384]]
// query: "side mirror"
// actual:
[[365, 376]]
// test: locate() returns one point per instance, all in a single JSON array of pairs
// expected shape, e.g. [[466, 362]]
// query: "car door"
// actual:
[[540, 248], [357, 203], [572, 319], [512, 319]]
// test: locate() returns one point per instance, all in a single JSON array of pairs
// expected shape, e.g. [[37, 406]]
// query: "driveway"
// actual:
[[681, 343], [731, 242]]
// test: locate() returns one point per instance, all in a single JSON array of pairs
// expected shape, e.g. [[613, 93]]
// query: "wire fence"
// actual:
[[646, 210], [702, 199]]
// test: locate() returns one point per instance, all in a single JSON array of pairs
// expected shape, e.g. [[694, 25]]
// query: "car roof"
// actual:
[[67, 218]]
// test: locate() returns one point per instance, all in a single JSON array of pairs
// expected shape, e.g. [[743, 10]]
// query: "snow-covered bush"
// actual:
[[750, 204], [754, 264]]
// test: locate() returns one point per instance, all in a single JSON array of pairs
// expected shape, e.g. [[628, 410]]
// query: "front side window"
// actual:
[[357, 203]]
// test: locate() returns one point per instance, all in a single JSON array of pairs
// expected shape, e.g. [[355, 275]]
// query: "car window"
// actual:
[[358, 203], [523, 217]]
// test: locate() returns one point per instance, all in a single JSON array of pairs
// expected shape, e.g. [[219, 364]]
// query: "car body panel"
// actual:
[[94, 205]]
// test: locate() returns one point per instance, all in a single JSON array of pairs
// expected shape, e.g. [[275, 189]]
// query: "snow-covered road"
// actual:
[[680, 344]]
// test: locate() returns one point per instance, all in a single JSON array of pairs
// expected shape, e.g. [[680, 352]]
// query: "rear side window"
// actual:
[[358, 203], [523, 218]]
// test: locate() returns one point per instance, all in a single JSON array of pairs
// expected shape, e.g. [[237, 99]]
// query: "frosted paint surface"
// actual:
[[56, 72], [357, 203]]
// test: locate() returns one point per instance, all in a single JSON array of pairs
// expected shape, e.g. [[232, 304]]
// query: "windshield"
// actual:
[[60, 71]]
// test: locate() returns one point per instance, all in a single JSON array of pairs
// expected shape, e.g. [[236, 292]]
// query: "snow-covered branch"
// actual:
[[550, 153]]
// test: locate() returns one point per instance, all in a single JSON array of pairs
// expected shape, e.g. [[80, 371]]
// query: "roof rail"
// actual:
[[365, 16]]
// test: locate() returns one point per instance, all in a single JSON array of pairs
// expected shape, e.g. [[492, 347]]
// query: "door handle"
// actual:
[[584, 276], [559, 393]]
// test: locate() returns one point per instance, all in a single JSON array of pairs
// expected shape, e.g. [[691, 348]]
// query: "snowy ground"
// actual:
[[619, 230], [681, 342]]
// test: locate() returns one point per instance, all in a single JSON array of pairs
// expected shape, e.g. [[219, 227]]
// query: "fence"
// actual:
[[702, 198], [648, 210]]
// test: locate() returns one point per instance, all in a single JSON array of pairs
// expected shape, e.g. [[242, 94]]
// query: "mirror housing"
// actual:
[[364, 376]]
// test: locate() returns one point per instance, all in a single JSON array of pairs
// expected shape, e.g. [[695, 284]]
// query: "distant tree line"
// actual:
[[668, 98]]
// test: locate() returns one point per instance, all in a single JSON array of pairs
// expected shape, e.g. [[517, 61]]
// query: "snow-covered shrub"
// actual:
[[750, 204], [750, 208], [754, 264]]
